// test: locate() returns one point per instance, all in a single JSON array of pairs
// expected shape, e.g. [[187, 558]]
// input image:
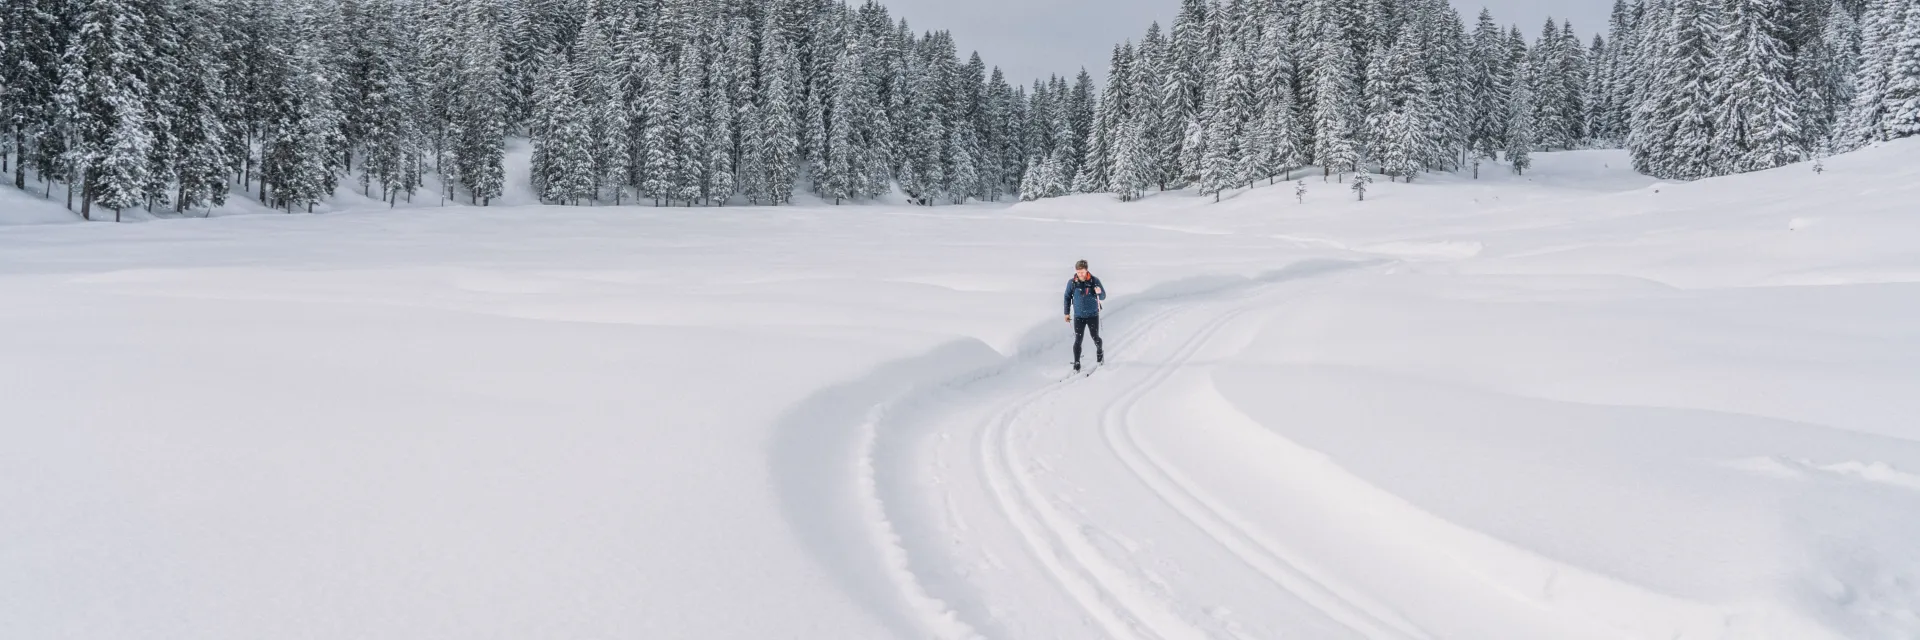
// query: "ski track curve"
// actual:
[[1104, 592], [1239, 538], [1115, 600]]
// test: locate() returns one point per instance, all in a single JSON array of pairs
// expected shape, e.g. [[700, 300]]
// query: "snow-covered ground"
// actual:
[[1578, 404]]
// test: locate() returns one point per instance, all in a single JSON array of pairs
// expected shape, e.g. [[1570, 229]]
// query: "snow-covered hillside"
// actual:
[[1576, 404]]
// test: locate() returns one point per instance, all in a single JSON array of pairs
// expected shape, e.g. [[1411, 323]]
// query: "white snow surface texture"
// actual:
[[1576, 404]]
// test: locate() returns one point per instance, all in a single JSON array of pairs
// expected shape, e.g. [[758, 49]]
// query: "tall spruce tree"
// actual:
[[1673, 124], [1756, 120], [1335, 106], [102, 106], [1488, 82]]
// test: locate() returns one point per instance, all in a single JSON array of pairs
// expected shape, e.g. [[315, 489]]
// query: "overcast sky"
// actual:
[[1031, 38]]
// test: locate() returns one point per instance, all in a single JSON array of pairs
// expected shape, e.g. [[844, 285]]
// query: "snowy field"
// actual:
[[1579, 404]]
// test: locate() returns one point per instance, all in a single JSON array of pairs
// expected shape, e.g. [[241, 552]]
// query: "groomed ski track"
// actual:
[[970, 494]]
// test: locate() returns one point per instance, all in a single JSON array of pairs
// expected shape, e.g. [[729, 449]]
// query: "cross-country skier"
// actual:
[[1084, 293]]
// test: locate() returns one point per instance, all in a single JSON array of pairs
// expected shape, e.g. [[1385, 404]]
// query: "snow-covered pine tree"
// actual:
[[1615, 73], [929, 83], [563, 145], [838, 179], [1594, 98], [635, 82], [1547, 88], [1487, 85], [888, 120], [1902, 116], [1251, 17], [873, 122], [479, 150], [1028, 140], [1755, 121], [1448, 96], [1016, 153], [371, 111], [1401, 79], [199, 105], [1276, 132], [729, 83], [163, 75], [597, 85], [1828, 49], [1376, 99], [1185, 69], [1882, 25], [751, 174], [781, 137], [297, 152], [101, 106], [1038, 132], [30, 80], [1520, 129], [1229, 96], [1572, 71], [962, 172], [1097, 166], [1672, 127], [688, 105], [995, 140], [974, 116], [1125, 178], [1335, 107], [658, 143], [1149, 106], [817, 39], [520, 57], [1516, 76], [1079, 121], [1030, 182]]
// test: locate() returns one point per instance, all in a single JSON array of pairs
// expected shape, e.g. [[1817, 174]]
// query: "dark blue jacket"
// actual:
[[1083, 298]]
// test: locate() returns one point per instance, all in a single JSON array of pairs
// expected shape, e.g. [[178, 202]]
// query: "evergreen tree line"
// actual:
[[704, 101], [1246, 90], [1241, 91], [180, 103], [1716, 87]]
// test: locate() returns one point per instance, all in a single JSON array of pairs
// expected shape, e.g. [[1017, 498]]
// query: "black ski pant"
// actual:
[[1080, 328]]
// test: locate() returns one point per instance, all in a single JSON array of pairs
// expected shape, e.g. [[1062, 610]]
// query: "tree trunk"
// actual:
[[20, 167], [246, 165], [86, 195]]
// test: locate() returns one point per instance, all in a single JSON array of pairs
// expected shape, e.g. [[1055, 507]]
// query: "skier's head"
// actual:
[[1080, 269]]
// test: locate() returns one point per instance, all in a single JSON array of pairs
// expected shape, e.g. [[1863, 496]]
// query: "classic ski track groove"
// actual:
[[1115, 599], [1229, 531], [1049, 536]]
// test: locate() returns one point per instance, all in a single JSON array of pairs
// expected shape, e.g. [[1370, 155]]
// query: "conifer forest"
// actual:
[[174, 105]]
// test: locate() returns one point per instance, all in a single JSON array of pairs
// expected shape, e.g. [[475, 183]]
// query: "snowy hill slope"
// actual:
[[1574, 404]]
